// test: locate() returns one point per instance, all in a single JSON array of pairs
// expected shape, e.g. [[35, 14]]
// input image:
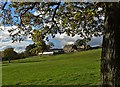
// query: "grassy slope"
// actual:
[[67, 69]]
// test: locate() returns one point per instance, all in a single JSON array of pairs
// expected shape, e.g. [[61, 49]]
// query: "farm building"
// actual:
[[53, 51], [57, 51], [46, 53], [70, 48]]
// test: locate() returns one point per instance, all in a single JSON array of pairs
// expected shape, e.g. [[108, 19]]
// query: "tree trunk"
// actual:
[[110, 61], [9, 60]]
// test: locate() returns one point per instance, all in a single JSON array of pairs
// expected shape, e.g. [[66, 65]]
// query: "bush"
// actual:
[[20, 56]]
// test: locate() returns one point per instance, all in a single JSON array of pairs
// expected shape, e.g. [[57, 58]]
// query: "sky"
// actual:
[[59, 41]]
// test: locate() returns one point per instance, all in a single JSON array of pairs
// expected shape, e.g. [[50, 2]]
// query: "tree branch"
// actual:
[[4, 5], [27, 9], [58, 4]]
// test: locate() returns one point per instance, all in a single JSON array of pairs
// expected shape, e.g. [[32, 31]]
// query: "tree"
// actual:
[[20, 55], [82, 42], [40, 45], [88, 47], [110, 60], [70, 48], [75, 18], [28, 49], [51, 44], [9, 54]]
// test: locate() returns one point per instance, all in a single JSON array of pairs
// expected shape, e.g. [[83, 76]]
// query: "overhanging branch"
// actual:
[[4, 5], [53, 18]]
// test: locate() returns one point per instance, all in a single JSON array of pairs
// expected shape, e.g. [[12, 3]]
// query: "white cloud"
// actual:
[[64, 39], [6, 42]]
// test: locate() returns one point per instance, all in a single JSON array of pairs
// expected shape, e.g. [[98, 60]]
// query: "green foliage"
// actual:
[[36, 50], [28, 49], [82, 42], [81, 68], [37, 36], [40, 44], [1, 54], [21, 55], [9, 54], [74, 17], [89, 47], [50, 45]]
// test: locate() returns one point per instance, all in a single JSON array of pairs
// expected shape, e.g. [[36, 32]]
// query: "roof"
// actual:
[[71, 45], [68, 45]]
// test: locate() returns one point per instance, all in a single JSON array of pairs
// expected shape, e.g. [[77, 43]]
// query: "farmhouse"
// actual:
[[70, 48]]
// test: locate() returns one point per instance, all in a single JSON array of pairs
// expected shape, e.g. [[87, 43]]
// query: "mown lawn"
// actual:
[[0, 73], [81, 68]]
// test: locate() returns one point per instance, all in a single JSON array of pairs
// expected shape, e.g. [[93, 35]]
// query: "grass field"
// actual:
[[0, 73], [81, 68]]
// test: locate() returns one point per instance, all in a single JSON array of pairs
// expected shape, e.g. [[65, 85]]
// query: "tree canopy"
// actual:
[[82, 18], [9, 54], [40, 44], [81, 42]]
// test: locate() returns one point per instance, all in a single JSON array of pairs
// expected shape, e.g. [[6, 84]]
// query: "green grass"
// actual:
[[81, 68], [0, 73]]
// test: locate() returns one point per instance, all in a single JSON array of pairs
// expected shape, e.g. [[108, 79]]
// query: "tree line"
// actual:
[[33, 49], [10, 54]]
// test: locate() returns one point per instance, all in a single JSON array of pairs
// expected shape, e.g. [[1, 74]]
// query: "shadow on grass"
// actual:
[[29, 61], [6, 63]]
